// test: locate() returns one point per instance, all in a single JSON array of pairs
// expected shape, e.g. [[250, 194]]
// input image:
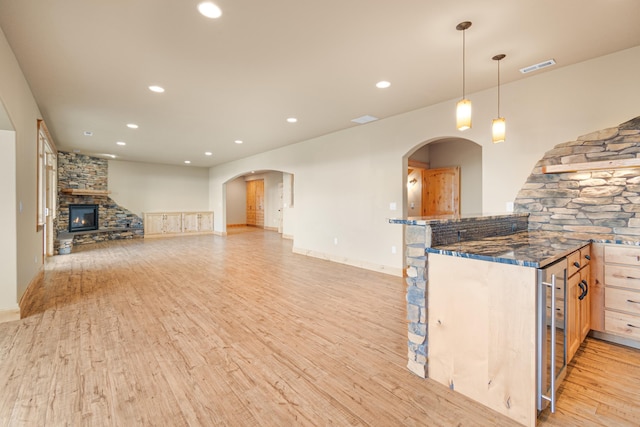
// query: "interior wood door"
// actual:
[[441, 191], [260, 203]]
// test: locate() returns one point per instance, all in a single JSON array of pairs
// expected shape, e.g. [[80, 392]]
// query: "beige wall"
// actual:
[[23, 243], [8, 271], [467, 155], [346, 181], [144, 187], [236, 206]]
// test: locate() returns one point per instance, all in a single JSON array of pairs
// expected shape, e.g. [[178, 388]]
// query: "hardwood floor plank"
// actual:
[[239, 331]]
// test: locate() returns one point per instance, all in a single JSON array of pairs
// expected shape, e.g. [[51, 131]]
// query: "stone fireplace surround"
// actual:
[[82, 172]]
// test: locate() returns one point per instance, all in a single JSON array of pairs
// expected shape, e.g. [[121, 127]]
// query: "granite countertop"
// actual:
[[435, 219], [528, 248]]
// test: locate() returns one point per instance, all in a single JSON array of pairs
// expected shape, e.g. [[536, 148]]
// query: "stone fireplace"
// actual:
[[83, 183], [83, 217]]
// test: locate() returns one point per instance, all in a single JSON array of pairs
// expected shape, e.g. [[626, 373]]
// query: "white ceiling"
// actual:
[[89, 64]]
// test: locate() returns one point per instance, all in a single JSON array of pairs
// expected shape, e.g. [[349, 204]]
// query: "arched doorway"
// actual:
[[444, 154], [269, 208]]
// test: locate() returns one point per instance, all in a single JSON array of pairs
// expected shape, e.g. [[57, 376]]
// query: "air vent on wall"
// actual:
[[538, 66]]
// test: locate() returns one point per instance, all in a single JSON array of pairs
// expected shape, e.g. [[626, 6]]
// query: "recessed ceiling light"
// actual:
[[292, 120], [132, 126], [209, 10], [121, 143], [208, 153], [364, 119], [383, 84], [157, 89], [237, 141], [88, 133], [187, 161]]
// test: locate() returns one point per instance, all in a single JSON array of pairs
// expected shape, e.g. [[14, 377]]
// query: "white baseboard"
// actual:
[[9, 314], [287, 236], [393, 271]]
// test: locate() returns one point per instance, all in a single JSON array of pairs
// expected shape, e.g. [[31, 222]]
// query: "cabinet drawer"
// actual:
[[573, 263], [621, 254], [622, 324], [623, 276], [585, 256], [620, 299]]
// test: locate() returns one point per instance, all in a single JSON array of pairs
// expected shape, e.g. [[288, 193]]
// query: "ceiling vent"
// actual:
[[538, 66], [364, 119]]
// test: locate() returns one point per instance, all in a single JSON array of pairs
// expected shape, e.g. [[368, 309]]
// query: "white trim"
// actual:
[[393, 271], [10, 314]]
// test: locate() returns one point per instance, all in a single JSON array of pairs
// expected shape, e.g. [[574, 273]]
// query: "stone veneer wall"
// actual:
[[420, 235], [597, 204], [85, 172]]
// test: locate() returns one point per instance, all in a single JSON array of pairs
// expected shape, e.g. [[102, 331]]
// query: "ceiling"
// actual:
[[239, 77]]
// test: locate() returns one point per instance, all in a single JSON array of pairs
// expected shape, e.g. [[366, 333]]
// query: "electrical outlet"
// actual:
[[509, 206], [335, 240], [393, 206], [393, 249]]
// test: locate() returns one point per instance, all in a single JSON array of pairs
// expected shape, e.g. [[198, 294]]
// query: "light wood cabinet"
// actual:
[[255, 203], [197, 222], [622, 291], [159, 224], [482, 332], [578, 299]]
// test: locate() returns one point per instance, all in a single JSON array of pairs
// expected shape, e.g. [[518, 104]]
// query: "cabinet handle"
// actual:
[[577, 264], [588, 257], [633, 302], [585, 289], [632, 326]]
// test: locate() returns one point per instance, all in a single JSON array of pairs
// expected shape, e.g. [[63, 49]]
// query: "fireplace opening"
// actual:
[[83, 217]]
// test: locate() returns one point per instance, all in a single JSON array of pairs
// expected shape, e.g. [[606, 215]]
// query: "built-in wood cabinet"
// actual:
[[255, 203], [622, 291], [159, 224], [197, 222], [578, 299], [482, 332]]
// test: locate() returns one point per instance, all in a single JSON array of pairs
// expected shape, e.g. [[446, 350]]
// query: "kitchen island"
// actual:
[[473, 291]]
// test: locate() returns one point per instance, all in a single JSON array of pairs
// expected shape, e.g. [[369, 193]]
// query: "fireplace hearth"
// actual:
[[83, 217]]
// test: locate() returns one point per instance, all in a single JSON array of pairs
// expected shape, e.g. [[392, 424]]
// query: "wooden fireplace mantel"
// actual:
[[85, 192]]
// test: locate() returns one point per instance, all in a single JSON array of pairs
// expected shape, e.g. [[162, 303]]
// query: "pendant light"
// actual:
[[463, 108], [498, 127]]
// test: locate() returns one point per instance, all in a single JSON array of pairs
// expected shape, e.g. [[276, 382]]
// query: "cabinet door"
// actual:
[[251, 202], [172, 223], [206, 221], [153, 223], [585, 305], [190, 222], [573, 316]]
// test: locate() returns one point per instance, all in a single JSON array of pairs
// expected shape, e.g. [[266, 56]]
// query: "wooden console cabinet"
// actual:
[[161, 224]]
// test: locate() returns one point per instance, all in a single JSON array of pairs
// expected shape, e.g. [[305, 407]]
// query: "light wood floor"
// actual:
[[238, 331]]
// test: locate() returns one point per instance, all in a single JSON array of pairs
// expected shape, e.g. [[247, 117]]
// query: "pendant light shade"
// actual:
[[498, 130], [499, 125], [463, 108], [463, 114]]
